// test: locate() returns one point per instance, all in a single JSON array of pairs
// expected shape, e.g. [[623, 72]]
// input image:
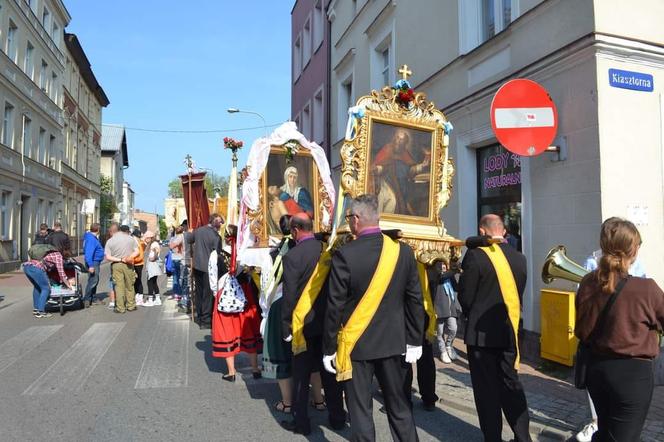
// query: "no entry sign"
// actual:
[[524, 117]]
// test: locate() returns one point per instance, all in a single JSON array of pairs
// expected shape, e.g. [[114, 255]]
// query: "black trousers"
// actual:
[[392, 375], [153, 287], [138, 284], [621, 390], [302, 365], [426, 375], [496, 387], [204, 298]]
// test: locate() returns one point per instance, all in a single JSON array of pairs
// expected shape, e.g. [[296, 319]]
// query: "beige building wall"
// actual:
[[31, 73], [612, 138]]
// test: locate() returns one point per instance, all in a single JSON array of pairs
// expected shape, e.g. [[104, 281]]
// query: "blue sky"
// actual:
[[179, 66]]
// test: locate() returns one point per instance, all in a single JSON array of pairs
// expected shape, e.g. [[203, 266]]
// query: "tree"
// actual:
[[212, 181], [107, 206], [163, 230]]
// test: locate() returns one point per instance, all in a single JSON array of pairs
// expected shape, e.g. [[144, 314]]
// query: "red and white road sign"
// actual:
[[524, 117]]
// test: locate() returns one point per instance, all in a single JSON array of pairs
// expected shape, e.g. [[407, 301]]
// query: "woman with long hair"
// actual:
[[624, 342]]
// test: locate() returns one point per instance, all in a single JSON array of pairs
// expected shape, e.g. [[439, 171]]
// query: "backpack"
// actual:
[[38, 251], [169, 266]]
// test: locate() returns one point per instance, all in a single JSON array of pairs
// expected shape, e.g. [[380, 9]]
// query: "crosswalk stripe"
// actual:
[[70, 371], [166, 363], [15, 348]]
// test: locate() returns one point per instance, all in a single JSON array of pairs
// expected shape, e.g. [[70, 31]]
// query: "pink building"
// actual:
[[310, 70]]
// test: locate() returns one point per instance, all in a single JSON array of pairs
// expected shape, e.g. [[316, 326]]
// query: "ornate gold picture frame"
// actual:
[[400, 153]]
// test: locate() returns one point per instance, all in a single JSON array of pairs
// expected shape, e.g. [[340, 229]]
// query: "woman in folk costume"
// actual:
[[277, 353], [238, 327]]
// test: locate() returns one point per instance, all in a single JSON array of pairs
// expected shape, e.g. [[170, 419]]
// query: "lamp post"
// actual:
[[234, 110]]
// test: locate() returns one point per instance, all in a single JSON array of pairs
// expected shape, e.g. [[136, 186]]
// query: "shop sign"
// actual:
[[636, 81]]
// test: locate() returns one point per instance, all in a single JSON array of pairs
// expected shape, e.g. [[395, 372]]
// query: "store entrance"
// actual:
[[499, 188]]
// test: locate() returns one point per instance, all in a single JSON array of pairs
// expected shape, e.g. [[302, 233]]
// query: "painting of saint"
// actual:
[[288, 191], [400, 169]]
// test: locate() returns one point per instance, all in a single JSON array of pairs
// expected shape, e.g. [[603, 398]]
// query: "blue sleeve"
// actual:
[[88, 251], [304, 200], [283, 196]]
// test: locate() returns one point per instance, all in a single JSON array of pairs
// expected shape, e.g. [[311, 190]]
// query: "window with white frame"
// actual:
[[481, 20], [55, 34], [5, 213], [319, 24], [385, 55], [12, 40], [306, 120], [318, 117], [29, 66], [51, 151], [43, 76], [382, 56], [46, 19], [53, 87], [41, 146], [297, 58], [27, 136], [345, 100], [8, 126], [306, 43]]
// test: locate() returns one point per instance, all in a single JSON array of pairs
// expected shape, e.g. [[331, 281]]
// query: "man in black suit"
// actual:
[[299, 265], [396, 327], [491, 300]]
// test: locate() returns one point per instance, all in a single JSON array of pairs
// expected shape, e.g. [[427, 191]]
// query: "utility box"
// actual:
[[558, 316]]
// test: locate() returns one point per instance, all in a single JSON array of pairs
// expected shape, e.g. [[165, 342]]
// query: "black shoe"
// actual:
[[292, 426], [228, 377], [429, 407]]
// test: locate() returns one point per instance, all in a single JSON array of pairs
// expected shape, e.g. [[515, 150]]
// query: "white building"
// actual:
[[127, 205], [32, 64], [114, 160], [610, 122]]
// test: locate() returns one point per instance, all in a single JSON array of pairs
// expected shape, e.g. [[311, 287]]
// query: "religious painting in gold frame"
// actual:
[[400, 153], [290, 183]]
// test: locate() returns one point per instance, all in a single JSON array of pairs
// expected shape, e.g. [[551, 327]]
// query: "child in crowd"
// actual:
[[447, 310]]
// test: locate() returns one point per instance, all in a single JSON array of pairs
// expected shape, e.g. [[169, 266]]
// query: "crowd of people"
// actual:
[[335, 319]]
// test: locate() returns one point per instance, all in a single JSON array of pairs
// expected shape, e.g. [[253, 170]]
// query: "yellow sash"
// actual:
[[364, 311], [307, 300], [428, 302], [507, 289]]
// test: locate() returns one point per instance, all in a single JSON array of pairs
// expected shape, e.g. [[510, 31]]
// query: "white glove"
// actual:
[[413, 353], [328, 363], [289, 338]]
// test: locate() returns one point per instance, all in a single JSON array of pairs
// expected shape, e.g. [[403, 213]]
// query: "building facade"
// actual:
[[605, 78], [82, 102], [114, 160], [32, 67], [127, 205], [310, 70]]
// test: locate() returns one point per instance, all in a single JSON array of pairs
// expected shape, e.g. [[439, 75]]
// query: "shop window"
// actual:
[[499, 188]]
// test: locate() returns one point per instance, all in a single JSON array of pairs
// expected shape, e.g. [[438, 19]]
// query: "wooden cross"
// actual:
[[405, 72]]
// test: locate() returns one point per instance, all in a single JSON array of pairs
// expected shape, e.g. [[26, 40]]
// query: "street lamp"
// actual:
[[234, 110]]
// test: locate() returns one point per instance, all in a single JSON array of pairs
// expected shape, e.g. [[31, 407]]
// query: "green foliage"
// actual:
[[212, 181], [107, 206], [163, 230]]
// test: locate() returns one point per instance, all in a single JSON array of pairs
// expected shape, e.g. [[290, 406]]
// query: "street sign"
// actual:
[[524, 117]]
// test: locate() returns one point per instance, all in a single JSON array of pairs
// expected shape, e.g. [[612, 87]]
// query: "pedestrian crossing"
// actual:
[[165, 363]]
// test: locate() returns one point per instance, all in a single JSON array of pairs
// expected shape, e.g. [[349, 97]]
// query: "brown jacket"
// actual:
[[630, 328]]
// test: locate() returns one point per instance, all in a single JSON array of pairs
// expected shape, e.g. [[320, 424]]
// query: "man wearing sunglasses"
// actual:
[[374, 318]]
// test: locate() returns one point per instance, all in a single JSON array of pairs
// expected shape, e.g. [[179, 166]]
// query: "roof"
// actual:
[[114, 139], [74, 47]]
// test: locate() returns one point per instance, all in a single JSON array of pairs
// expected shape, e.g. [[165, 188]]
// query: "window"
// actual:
[[11, 41], [499, 185], [46, 19], [319, 25], [297, 58], [55, 34], [8, 126], [345, 101], [41, 146], [51, 151], [306, 121], [386, 66], [318, 118], [306, 43], [354, 7], [53, 87], [43, 76], [5, 213], [27, 136], [480, 20], [29, 67]]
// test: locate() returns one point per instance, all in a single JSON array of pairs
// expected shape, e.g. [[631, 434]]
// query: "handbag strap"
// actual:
[[607, 307]]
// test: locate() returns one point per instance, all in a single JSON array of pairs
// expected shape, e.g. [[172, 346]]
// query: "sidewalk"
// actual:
[[557, 409]]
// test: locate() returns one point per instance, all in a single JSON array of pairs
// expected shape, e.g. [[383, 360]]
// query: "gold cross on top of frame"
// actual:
[[405, 72]]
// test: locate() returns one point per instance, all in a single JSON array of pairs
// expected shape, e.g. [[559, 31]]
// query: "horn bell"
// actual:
[[558, 265]]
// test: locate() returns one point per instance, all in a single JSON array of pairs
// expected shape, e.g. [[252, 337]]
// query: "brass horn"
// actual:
[[558, 265]]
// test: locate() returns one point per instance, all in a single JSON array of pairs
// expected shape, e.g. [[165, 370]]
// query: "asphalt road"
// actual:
[[145, 375]]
